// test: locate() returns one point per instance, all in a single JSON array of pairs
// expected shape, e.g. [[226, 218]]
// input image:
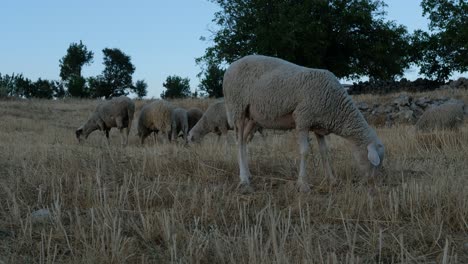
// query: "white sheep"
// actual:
[[117, 112], [215, 120], [277, 94], [162, 116], [154, 117], [446, 116]]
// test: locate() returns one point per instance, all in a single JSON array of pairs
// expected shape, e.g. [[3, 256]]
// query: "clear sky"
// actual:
[[162, 37]]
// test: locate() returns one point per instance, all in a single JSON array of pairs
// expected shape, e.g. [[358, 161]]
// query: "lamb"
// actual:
[[214, 120], [117, 112], [446, 116], [277, 94]]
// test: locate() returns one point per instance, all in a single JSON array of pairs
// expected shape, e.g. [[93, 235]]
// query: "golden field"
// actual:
[[171, 203]]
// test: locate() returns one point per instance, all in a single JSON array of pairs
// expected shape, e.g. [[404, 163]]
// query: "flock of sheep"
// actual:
[[260, 92]]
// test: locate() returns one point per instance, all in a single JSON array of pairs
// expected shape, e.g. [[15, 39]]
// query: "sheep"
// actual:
[[277, 94], [162, 116], [154, 117], [179, 123], [446, 116], [194, 114], [117, 112], [214, 120]]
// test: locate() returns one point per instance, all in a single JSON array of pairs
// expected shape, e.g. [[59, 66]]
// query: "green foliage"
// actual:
[[348, 37], [116, 77], [59, 89], [24, 87], [212, 81], [98, 87], [42, 89], [176, 87], [445, 49], [140, 88], [77, 86], [77, 56], [15, 85], [7, 85], [70, 69]]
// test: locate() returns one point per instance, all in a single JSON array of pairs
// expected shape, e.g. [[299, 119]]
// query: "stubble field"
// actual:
[[170, 203]]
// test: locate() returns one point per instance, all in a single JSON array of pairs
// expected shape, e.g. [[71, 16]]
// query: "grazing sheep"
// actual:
[[194, 114], [179, 123], [117, 112], [154, 117], [214, 120], [277, 94], [446, 116]]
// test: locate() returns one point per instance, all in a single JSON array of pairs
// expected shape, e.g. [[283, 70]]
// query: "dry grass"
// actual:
[[166, 203]]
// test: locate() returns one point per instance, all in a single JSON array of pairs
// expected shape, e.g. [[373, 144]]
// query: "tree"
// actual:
[[42, 89], [212, 82], [7, 85], [140, 88], [70, 68], [445, 50], [24, 87], [176, 87], [59, 89], [348, 37], [116, 77], [77, 86]]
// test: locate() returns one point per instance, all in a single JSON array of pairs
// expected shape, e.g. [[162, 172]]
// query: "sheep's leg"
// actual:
[[106, 133], [304, 148], [244, 172], [325, 157], [155, 137], [127, 129], [120, 126]]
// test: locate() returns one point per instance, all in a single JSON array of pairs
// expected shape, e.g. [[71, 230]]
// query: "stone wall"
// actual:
[[419, 85], [403, 108]]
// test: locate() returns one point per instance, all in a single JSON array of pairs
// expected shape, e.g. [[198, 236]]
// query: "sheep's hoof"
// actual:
[[303, 187], [245, 188]]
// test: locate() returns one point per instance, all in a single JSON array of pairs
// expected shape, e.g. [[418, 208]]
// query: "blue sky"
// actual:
[[162, 37]]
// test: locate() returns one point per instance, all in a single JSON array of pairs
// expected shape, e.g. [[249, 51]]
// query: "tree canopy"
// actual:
[[70, 69], [349, 37], [77, 56], [212, 80], [176, 87], [445, 49], [116, 78]]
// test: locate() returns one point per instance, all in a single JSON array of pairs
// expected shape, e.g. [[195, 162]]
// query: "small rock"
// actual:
[[405, 116], [402, 100], [422, 102], [362, 106]]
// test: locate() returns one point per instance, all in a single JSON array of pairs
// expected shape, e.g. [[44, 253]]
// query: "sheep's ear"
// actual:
[[372, 155]]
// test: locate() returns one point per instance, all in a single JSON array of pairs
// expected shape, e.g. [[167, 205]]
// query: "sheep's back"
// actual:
[[156, 115], [445, 116]]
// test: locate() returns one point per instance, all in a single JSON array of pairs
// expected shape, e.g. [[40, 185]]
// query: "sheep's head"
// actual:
[[370, 157], [194, 135], [84, 130]]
